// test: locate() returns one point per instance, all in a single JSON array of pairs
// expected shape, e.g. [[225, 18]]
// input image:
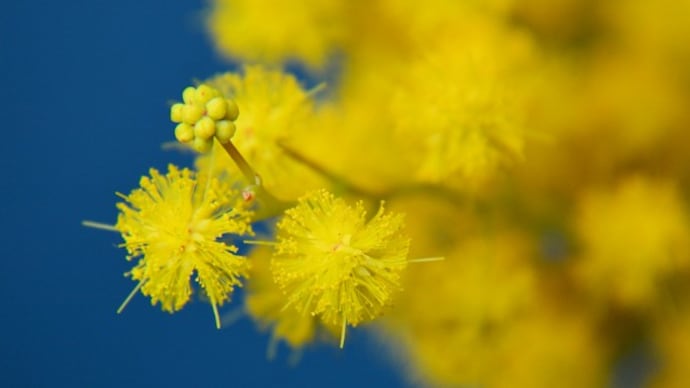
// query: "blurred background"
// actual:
[[86, 91]]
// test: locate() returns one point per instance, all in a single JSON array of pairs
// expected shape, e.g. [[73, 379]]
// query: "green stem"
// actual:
[[449, 195], [337, 180], [271, 205]]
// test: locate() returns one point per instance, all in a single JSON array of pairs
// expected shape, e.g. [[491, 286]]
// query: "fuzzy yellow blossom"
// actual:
[[463, 101], [333, 262], [265, 304], [633, 104], [274, 108], [173, 226], [381, 30], [203, 115], [312, 31], [272, 31], [453, 111], [461, 308], [633, 238], [550, 348]]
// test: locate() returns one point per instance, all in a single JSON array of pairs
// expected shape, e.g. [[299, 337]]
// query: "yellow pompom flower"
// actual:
[[462, 308], [271, 31], [634, 238], [264, 303], [172, 225], [462, 102], [332, 262], [274, 109]]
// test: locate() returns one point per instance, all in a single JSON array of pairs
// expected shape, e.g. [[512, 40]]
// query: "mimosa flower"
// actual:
[[634, 239], [274, 111], [264, 304], [173, 225], [332, 262]]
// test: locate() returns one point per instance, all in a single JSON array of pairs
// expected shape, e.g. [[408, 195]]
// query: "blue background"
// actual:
[[84, 104]]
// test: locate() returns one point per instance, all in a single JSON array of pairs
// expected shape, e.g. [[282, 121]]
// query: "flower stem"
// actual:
[[330, 175], [241, 163], [441, 192], [271, 204]]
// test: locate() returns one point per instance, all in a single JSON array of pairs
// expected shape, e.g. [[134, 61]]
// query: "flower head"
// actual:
[[275, 109], [463, 308], [471, 123], [280, 30], [330, 261], [635, 238], [173, 224], [264, 304]]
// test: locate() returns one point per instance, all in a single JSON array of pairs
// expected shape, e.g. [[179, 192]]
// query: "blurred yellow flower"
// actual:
[[551, 348], [273, 110], [458, 311], [462, 101], [272, 31], [265, 304], [632, 238]]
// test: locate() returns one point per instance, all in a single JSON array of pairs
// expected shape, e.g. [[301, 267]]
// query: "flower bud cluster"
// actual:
[[204, 114]]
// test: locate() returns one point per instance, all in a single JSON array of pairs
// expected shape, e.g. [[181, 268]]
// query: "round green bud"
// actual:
[[188, 94], [184, 133], [205, 128], [192, 113], [231, 110], [225, 129], [176, 113], [202, 145], [215, 108]]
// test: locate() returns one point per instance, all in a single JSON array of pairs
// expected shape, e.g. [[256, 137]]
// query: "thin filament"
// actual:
[[129, 297]]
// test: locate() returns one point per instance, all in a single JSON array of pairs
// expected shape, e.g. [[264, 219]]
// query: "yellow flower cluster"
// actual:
[[648, 212], [539, 147]]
